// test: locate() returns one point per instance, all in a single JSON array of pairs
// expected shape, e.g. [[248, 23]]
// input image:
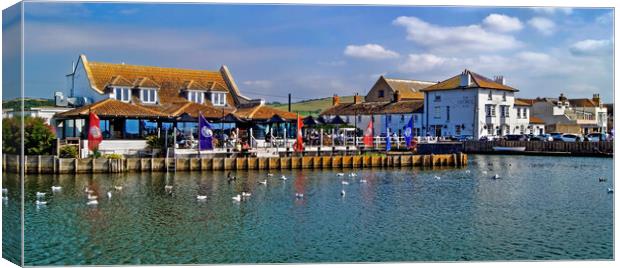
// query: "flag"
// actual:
[[94, 132], [299, 144], [388, 143], [206, 134], [368, 135], [409, 132]]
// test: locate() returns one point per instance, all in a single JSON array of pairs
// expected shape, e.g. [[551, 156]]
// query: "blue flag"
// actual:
[[409, 132], [388, 143], [206, 134]]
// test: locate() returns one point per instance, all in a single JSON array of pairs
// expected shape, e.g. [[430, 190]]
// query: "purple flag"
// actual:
[[206, 134]]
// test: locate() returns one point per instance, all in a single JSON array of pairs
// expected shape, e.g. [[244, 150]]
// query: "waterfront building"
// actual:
[[581, 116], [134, 102]]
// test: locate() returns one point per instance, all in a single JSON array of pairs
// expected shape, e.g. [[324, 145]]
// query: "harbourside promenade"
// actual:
[[55, 165]]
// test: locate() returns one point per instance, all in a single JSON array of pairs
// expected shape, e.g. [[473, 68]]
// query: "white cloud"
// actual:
[[369, 51], [542, 25], [455, 38], [553, 10], [591, 47], [261, 84], [533, 57], [606, 18], [425, 62], [502, 23]]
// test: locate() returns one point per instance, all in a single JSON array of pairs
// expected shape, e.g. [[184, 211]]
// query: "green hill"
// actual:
[[310, 107], [15, 104]]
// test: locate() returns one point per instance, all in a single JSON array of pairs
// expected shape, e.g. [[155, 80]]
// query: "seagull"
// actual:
[[601, 179], [342, 193], [237, 198], [92, 203], [340, 174], [495, 177], [40, 203], [56, 188], [263, 182], [352, 175], [201, 197], [437, 177], [467, 171], [345, 183], [283, 178], [610, 190], [118, 188], [92, 197], [363, 181], [269, 175], [168, 187], [299, 195], [40, 194], [231, 178], [244, 194], [109, 195]]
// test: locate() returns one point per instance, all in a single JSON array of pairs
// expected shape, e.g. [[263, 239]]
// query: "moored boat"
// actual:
[[508, 149]]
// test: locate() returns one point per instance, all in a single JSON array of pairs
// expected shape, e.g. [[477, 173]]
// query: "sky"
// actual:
[[315, 51]]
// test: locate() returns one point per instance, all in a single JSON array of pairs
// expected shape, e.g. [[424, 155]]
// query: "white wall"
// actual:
[[81, 85], [462, 111]]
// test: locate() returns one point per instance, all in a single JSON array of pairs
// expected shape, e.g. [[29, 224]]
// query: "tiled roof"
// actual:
[[145, 82], [536, 120], [170, 80], [262, 112], [522, 102], [409, 89], [581, 102], [194, 85], [365, 108], [118, 80], [112, 107], [193, 109], [477, 81]]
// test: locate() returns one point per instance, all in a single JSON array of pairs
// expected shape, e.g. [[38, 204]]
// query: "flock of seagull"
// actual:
[[92, 199]]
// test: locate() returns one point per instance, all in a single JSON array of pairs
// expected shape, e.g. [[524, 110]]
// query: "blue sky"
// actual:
[[316, 51]]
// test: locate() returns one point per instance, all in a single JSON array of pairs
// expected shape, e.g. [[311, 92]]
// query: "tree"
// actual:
[[38, 136]]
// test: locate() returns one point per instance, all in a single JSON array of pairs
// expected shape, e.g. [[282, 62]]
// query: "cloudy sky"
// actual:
[[316, 51]]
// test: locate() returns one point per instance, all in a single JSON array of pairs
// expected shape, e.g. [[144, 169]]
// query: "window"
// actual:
[[218, 99], [381, 93], [504, 111], [359, 118], [437, 98], [504, 96], [525, 110], [402, 118], [122, 93], [490, 95], [437, 111], [148, 95], [490, 110], [457, 130], [195, 96], [518, 112], [447, 113]]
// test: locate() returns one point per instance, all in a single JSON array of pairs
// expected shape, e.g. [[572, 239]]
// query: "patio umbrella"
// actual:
[[337, 121], [275, 119], [231, 118], [311, 121]]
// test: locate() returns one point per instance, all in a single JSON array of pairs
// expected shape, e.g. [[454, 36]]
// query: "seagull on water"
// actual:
[[437, 177], [343, 193], [610, 190], [109, 195], [244, 194], [201, 197], [299, 195], [467, 171], [363, 181], [168, 187], [269, 175], [92, 203], [92, 197], [237, 198], [264, 182], [495, 177], [283, 178], [56, 188], [352, 174], [340, 174], [345, 183], [601, 179], [40, 203], [231, 178], [118, 187], [40, 194]]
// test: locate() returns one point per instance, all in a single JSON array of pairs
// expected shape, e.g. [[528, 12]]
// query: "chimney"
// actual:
[[397, 96], [465, 79], [562, 98], [357, 98], [335, 100], [500, 79], [596, 98]]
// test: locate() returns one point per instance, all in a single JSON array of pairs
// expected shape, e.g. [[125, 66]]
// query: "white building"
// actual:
[[472, 105], [572, 115]]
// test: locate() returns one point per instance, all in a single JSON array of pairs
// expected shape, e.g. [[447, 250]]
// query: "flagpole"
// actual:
[[199, 133]]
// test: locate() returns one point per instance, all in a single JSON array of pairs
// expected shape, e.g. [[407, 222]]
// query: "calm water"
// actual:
[[542, 208]]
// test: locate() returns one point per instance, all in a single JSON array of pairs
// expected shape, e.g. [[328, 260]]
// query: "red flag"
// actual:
[[299, 145], [94, 132], [368, 135]]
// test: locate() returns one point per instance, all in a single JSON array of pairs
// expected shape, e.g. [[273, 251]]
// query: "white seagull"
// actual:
[[201, 197], [342, 193], [345, 183], [299, 195], [40, 194], [283, 178], [92, 203], [168, 187], [118, 187], [40, 203], [109, 195], [610, 190], [340, 174], [437, 177], [237, 198], [352, 175], [56, 188], [495, 177], [244, 194], [92, 197], [363, 181], [269, 175], [467, 171], [263, 182]]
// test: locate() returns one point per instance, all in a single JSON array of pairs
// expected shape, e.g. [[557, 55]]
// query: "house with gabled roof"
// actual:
[[134, 101], [385, 89], [582, 115]]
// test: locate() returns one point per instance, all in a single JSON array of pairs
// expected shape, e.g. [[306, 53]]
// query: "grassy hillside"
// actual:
[[28, 103], [310, 107]]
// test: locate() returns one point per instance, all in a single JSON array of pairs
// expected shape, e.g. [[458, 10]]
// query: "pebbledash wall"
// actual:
[[52, 164]]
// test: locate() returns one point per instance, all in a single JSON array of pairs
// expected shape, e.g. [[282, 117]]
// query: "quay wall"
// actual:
[[54, 165], [604, 148]]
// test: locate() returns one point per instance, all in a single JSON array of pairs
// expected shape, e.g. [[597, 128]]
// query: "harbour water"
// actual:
[[541, 208]]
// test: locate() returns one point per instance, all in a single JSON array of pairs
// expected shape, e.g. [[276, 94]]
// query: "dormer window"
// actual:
[[218, 98], [148, 95], [195, 96], [122, 94]]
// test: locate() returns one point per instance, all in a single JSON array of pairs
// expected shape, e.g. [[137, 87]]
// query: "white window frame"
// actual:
[[145, 95], [437, 112], [125, 93], [196, 96], [490, 110], [218, 98]]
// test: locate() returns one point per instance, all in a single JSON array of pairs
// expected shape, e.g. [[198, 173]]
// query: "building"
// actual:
[[385, 89], [581, 116], [134, 102], [472, 105]]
